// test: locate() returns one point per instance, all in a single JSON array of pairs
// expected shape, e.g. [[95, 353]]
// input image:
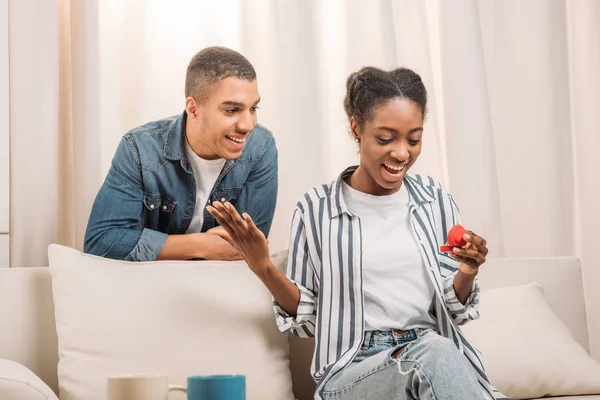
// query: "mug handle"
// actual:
[[177, 388]]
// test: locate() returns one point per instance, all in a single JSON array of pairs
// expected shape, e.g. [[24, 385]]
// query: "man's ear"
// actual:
[[191, 107]]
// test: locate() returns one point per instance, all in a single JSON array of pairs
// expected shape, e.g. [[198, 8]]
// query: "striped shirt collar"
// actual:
[[418, 192]]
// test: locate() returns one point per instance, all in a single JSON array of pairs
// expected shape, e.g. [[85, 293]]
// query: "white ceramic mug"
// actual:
[[140, 387]]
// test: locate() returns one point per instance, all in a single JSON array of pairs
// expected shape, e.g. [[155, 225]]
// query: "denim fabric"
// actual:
[[429, 367], [378, 341], [150, 190]]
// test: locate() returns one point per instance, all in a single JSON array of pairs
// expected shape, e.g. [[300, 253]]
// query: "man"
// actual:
[[152, 205]]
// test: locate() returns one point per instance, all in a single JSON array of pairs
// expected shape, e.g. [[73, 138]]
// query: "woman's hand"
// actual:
[[472, 255], [242, 234]]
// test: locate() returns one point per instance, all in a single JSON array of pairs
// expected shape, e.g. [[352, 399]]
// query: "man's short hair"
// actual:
[[211, 65]]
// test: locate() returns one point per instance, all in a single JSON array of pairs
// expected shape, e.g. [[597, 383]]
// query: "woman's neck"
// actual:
[[362, 181]]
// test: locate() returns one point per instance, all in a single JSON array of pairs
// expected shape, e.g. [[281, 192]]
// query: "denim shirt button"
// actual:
[[222, 199], [187, 212], [164, 207], [152, 206]]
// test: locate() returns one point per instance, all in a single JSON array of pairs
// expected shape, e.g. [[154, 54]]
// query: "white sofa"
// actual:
[[28, 331]]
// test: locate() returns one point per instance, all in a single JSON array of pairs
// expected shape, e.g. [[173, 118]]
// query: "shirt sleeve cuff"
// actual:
[[303, 324], [461, 313], [148, 247]]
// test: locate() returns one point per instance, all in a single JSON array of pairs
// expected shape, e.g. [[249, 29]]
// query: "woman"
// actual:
[[365, 273]]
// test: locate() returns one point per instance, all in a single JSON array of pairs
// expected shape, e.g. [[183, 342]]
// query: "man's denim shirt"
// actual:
[[150, 190]]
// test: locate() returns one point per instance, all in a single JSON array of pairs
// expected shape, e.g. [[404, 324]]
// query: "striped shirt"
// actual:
[[325, 263]]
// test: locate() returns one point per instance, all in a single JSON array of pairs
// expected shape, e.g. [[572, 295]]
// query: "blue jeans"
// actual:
[[429, 367]]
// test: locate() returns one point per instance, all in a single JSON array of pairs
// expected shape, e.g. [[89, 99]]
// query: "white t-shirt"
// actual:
[[398, 292], [206, 173]]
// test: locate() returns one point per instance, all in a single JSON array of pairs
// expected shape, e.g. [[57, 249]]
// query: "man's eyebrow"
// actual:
[[232, 103], [237, 103]]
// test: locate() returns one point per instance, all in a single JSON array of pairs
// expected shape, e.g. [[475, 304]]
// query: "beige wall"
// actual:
[[512, 129], [582, 18], [4, 136]]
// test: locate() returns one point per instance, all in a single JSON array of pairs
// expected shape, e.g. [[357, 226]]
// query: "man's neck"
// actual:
[[197, 147]]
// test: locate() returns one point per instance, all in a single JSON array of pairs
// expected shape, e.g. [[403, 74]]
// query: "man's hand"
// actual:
[[209, 246], [221, 232], [216, 246]]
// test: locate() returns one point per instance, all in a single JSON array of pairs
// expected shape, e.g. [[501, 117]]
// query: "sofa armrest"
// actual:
[[17, 382]]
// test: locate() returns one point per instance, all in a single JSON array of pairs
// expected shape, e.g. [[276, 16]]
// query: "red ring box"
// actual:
[[455, 238]]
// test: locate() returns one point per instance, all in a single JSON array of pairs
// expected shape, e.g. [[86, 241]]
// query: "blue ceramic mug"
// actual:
[[217, 387]]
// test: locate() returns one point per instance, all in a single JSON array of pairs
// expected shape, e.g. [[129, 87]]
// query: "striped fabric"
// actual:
[[325, 262]]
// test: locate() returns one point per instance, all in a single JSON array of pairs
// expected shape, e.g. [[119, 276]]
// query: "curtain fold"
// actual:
[[513, 117], [469, 133], [583, 42]]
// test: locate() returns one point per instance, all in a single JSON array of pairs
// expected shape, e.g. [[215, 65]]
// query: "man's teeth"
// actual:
[[395, 168], [237, 140]]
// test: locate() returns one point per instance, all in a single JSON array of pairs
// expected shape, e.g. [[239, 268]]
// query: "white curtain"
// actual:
[[512, 129]]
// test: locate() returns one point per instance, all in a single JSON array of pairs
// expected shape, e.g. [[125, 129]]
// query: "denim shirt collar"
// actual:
[[174, 144], [174, 148]]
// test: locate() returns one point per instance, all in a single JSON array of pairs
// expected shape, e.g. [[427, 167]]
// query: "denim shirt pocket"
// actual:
[[226, 194], [223, 195], [158, 210]]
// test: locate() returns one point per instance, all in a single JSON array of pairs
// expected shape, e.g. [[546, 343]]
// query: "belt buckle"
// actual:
[[398, 333], [402, 336]]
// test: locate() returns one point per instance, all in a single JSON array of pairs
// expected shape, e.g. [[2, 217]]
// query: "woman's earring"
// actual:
[[356, 140]]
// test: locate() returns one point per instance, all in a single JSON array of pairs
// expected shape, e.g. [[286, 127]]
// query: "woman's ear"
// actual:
[[354, 131]]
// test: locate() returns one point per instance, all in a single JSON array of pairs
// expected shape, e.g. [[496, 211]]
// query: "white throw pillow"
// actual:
[[178, 318], [527, 350], [17, 382]]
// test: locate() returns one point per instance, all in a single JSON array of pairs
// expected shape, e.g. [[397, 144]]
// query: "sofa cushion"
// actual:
[[178, 318], [28, 332], [17, 382], [527, 351]]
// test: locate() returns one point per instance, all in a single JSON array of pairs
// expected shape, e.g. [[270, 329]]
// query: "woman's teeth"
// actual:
[[398, 168]]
